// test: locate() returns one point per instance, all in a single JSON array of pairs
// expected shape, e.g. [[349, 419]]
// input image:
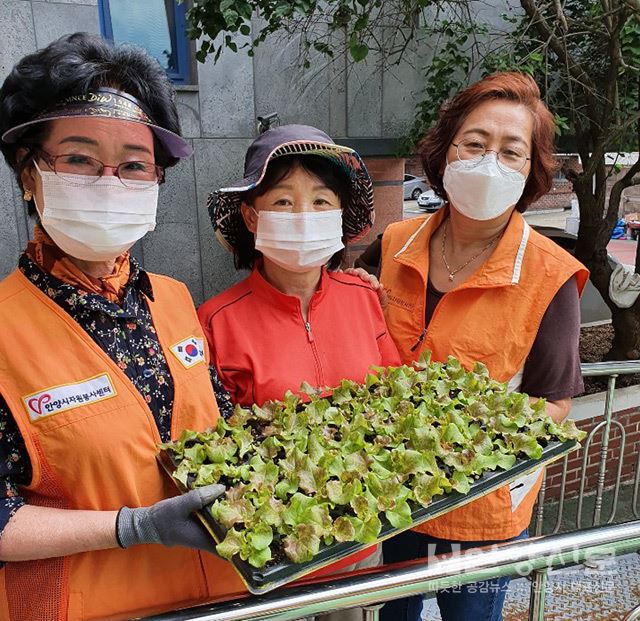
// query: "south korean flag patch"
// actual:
[[189, 352]]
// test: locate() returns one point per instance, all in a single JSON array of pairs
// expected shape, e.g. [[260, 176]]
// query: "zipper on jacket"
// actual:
[[420, 339], [316, 357], [423, 334], [307, 327]]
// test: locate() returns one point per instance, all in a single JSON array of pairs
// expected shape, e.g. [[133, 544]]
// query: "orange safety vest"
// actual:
[[492, 317], [92, 440]]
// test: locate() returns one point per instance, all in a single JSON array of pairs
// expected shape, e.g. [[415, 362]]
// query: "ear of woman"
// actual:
[[27, 175], [250, 217]]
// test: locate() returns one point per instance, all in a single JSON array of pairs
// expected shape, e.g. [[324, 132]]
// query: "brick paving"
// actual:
[[574, 594]]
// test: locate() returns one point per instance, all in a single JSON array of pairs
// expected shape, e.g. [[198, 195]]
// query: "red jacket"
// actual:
[[261, 346]]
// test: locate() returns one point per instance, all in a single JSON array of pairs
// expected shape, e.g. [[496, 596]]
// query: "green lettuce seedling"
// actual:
[[312, 470]]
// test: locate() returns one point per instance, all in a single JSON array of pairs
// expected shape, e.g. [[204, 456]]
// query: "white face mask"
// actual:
[[299, 241], [484, 191], [96, 222]]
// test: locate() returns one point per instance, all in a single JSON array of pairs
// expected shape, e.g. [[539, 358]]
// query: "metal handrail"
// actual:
[[633, 615], [613, 367], [368, 587], [610, 369]]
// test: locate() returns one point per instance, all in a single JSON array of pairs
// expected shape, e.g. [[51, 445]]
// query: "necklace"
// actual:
[[452, 273]]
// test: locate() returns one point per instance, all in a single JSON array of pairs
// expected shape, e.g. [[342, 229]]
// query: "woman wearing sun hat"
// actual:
[[99, 360], [295, 319]]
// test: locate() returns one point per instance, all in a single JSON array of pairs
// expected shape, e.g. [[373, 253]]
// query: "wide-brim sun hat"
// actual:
[[109, 103], [357, 215]]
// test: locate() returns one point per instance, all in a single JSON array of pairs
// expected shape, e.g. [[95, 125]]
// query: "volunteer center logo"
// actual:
[[68, 396]]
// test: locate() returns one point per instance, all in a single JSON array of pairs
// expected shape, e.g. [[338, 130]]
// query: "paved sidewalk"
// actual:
[[575, 593], [624, 250], [555, 219]]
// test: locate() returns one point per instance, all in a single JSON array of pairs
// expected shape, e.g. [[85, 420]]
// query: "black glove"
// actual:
[[169, 522]]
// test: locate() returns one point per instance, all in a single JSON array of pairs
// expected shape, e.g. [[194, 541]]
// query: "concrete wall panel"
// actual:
[[54, 20], [17, 35], [226, 95], [188, 104], [13, 227], [87, 2], [217, 162], [401, 88], [178, 195], [298, 95], [338, 93], [364, 99], [17, 39], [174, 249]]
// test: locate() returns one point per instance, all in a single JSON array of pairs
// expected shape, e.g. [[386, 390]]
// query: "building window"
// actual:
[[159, 26]]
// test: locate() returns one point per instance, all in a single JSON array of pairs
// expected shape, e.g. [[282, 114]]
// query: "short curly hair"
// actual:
[[73, 65], [510, 86]]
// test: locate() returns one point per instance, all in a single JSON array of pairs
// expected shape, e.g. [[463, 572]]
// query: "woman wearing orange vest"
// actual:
[[476, 282], [99, 360], [296, 319]]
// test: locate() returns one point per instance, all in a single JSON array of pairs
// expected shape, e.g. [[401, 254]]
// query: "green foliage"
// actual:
[[589, 40], [562, 124], [446, 72], [333, 468], [217, 23], [462, 48]]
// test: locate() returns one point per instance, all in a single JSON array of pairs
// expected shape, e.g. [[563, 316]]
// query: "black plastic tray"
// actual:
[[268, 578]]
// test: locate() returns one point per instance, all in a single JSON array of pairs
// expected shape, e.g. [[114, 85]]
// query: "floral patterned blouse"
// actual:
[[126, 333]]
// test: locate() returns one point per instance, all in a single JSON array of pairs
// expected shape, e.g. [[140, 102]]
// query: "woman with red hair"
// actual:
[[475, 282]]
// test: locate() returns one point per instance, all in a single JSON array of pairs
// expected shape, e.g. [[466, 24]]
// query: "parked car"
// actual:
[[414, 186], [429, 201]]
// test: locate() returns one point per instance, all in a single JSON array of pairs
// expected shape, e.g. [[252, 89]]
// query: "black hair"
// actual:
[[73, 65], [244, 251]]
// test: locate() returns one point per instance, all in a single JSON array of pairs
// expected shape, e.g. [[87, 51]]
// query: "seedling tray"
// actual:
[[268, 578]]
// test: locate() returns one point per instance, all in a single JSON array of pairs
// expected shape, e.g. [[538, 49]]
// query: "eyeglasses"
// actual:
[[84, 170], [471, 153]]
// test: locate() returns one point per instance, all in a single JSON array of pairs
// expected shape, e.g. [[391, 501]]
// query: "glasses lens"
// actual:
[[138, 175], [77, 168], [471, 151], [512, 159]]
